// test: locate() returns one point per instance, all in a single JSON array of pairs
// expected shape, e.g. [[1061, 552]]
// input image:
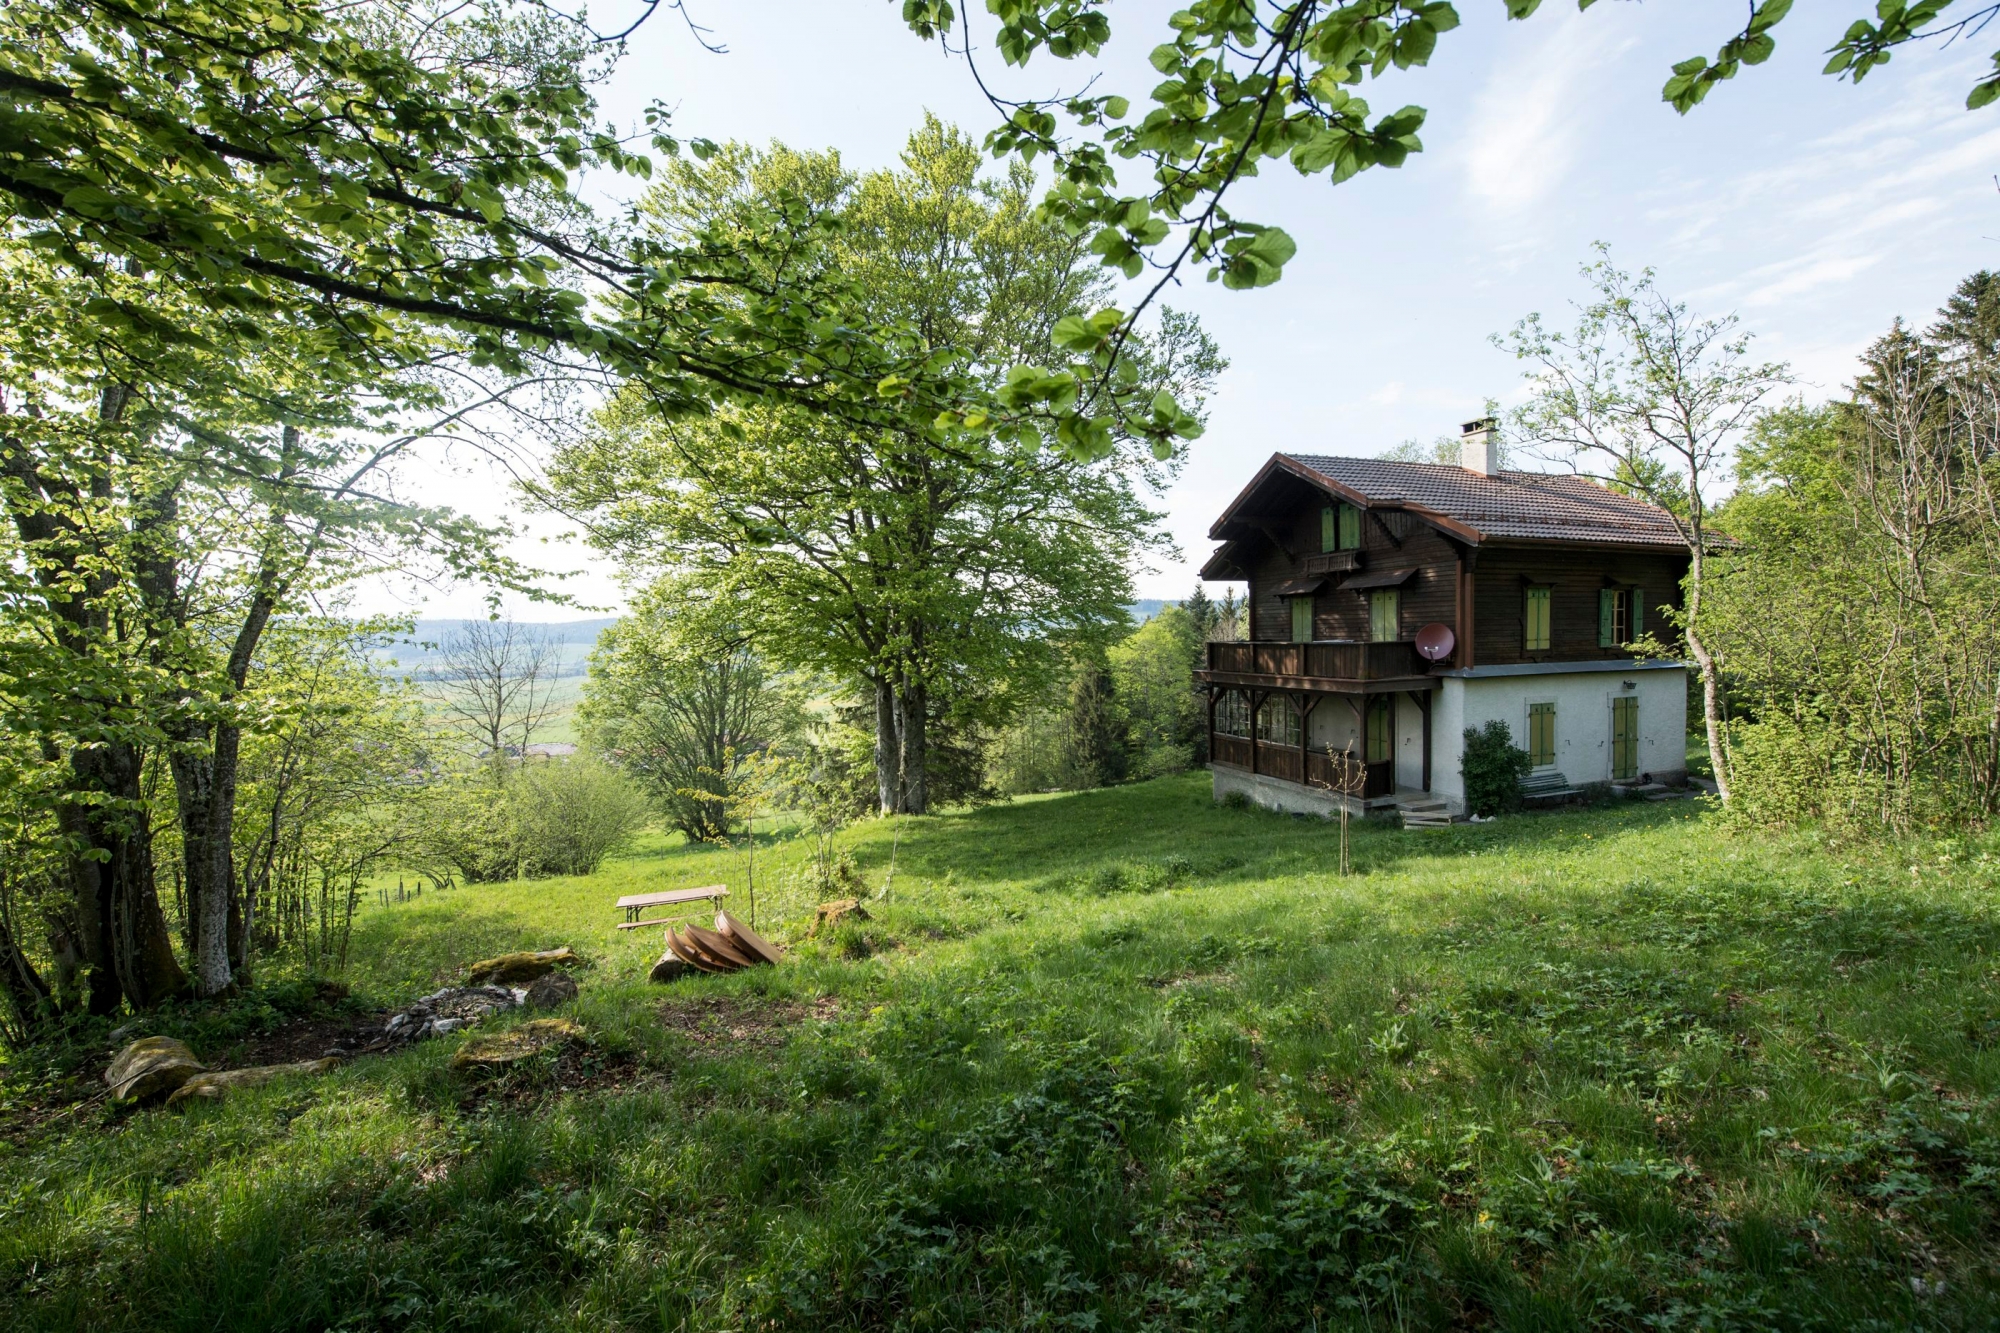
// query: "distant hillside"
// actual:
[[574, 640], [413, 652]]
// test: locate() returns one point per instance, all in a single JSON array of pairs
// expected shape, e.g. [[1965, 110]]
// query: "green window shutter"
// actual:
[[1607, 610], [1350, 528], [1541, 734], [1535, 620], [1328, 535], [1385, 615], [1638, 612], [1302, 619]]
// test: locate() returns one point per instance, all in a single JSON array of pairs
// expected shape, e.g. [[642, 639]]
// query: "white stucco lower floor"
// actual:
[[1581, 694]]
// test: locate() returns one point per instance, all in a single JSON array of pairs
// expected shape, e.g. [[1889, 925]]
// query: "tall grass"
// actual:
[[1125, 1060]]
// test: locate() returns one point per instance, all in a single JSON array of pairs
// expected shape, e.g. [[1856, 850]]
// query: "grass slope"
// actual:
[[1125, 1060]]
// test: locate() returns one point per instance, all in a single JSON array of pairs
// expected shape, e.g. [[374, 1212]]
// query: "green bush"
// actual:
[[1493, 767], [568, 816]]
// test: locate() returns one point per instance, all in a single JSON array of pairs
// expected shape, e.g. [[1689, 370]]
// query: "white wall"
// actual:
[[1409, 744], [1583, 721]]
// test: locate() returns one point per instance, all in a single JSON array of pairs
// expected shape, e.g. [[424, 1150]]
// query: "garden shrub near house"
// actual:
[[1493, 768]]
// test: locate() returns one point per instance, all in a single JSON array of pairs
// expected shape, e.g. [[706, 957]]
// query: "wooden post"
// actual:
[[1256, 703], [1211, 723], [1310, 702]]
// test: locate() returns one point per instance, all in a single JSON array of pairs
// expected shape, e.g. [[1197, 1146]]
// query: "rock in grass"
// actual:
[[504, 1048], [832, 914], [670, 968], [151, 1067], [214, 1087], [517, 968], [550, 992]]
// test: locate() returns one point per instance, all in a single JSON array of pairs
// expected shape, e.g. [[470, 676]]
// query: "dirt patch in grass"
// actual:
[[722, 1022], [577, 1067], [303, 1039]]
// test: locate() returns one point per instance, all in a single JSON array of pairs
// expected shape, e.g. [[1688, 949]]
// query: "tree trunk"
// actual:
[[1714, 715], [888, 750], [28, 996], [912, 706], [127, 952], [205, 788]]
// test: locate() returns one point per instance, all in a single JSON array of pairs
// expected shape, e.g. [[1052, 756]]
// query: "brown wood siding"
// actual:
[[1431, 594], [1575, 578]]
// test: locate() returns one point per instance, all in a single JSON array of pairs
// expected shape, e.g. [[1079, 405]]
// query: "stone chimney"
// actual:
[[1479, 447]]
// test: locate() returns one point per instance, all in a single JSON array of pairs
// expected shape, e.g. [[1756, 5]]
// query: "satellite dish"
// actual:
[[1435, 641]]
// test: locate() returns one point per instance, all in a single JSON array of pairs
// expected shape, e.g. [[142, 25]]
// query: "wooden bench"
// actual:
[[636, 903]]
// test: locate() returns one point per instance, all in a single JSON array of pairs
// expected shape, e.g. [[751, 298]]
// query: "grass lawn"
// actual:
[[1123, 1060]]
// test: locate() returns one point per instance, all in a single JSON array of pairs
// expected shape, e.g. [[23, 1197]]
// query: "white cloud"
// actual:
[[1527, 130]]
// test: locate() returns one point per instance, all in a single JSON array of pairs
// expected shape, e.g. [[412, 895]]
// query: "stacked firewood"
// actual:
[[730, 947]]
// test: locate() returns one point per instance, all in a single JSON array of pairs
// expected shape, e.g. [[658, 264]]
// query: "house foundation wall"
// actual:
[[1274, 794]]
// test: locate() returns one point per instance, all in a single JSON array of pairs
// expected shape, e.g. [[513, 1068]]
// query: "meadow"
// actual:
[[1120, 1059]]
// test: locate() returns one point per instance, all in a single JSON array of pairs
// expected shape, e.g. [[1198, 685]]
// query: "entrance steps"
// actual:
[[1424, 812]]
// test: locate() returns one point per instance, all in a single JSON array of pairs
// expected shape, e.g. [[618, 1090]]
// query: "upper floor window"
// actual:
[[1302, 619], [1621, 616], [1385, 615], [1350, 528], [1535, 620]]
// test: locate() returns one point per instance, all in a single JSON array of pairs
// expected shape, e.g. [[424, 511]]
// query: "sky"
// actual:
[[1815, 211]]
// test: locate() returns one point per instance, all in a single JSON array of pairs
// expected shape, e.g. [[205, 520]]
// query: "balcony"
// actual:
[[1331, 562], [1343, 667]]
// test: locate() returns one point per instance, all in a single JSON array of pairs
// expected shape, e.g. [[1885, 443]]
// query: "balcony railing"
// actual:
[[1318, 661], [1332, 562]]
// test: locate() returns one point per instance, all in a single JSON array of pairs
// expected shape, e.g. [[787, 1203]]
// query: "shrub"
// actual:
[[568, 816], [1493, 767]]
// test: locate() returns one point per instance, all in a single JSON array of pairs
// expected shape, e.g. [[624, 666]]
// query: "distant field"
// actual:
[[1124, 1060]]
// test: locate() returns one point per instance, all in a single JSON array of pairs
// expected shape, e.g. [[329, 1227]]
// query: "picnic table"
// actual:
[[636, 903]]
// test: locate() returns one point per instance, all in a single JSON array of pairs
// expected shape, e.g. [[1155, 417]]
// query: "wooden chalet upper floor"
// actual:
[[1347, 558]]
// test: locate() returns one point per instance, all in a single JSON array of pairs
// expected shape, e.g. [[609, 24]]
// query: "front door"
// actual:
[[1624, 738]]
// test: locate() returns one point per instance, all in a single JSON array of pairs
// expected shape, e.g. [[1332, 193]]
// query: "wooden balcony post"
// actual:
[[1305, 703], [1256, 705], [1211, 730]]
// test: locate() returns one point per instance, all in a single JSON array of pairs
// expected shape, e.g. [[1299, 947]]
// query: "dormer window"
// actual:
[[1340, 528]]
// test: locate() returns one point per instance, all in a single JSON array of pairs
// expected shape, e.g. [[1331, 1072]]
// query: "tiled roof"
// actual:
[[1534, 505]]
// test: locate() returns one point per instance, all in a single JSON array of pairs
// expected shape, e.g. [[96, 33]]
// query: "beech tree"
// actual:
[[932, 568]]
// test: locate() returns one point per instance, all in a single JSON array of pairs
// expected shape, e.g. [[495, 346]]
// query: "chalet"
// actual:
[[1393, 605]]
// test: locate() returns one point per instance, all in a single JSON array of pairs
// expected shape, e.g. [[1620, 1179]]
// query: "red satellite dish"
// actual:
[[1435, 641]]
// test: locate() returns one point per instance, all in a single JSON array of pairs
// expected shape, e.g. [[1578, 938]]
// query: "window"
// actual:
[[1621, 616], [1350, 528], [1232, 713], [1381, 728], [1278, 721], [1302, 619], [1535, 621], [1541, 734], [1624, 738], [1385, 615]]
